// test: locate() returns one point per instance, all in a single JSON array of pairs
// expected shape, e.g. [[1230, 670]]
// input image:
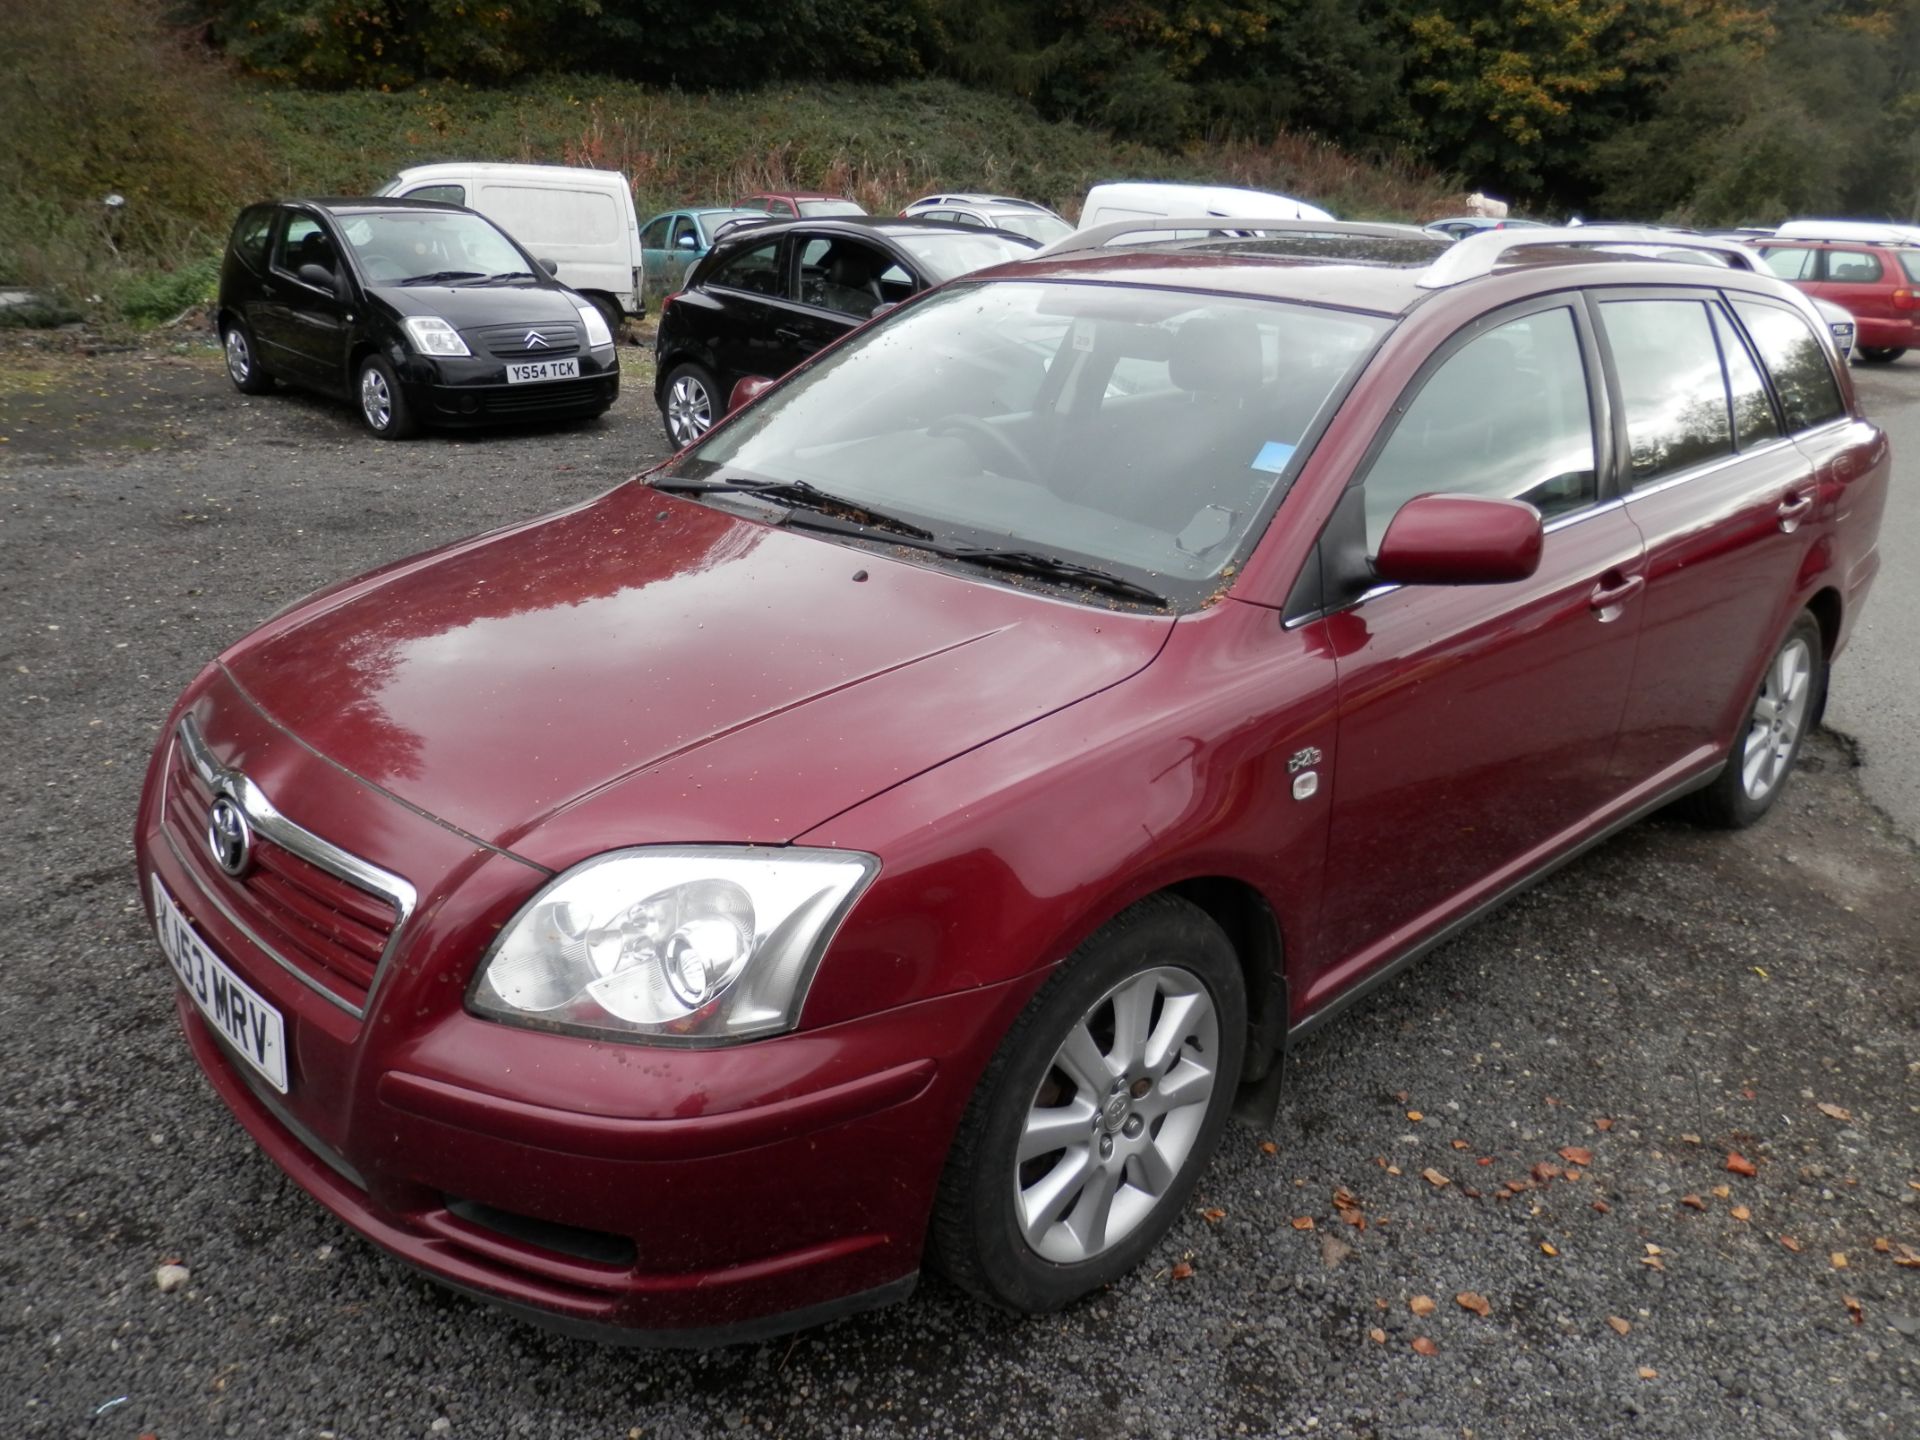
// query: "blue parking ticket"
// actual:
[[1273, 456]]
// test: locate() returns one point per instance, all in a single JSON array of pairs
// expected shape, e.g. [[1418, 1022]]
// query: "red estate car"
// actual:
[[1878, 281], [893, 830]]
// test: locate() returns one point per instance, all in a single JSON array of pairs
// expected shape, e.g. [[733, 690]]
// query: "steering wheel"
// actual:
[[991, 444], [383, 267]]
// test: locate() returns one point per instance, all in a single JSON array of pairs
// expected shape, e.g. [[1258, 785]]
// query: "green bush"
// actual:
[[155, 297]]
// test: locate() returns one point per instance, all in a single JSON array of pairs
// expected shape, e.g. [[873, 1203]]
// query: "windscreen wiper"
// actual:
[[1051, 567], [510, 275], [440, 277], [797, 493]]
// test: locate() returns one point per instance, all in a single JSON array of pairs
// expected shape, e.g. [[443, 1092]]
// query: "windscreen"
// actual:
[[1032, 224], [401, 245], [1144, 431], [945, 254]]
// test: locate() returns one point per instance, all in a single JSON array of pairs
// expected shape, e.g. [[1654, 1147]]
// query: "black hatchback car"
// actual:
[[421, 313], [766, 297]]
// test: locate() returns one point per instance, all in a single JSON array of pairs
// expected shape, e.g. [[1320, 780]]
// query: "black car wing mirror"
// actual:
[[552, 267], [318, 276]]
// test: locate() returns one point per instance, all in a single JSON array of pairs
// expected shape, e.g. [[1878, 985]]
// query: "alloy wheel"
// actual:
[[689, 410], [376, 401], [1779, 715], [239, 357], [1116, 1116]]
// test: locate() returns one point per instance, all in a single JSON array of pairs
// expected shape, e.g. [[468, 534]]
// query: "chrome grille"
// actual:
[[325, 916]]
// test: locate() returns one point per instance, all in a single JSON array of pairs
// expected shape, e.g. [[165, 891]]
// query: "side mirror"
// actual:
[[686, 242], [552, 267], [1460, 540], [319, 277], [746, 390], [882, 308]]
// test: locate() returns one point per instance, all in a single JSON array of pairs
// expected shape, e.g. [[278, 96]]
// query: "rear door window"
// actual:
[[1795, 358], [1853, 267], [654, 237], [1507, 415], [1754, 422], [1671, 385]]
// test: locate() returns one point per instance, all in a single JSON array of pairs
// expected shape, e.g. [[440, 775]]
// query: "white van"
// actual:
[[1155, 200], [582, 220]]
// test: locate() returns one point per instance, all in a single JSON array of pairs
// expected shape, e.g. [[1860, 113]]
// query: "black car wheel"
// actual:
[[688, 404], [249, 376], [1881, 354], [382, 404], [1097, 1115]]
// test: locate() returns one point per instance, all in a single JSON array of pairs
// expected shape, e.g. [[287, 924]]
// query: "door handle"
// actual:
[[1793, 510], [1612, 592]]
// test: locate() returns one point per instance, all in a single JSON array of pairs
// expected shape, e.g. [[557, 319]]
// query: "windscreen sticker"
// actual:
[[1082, 333], [1273, 456]]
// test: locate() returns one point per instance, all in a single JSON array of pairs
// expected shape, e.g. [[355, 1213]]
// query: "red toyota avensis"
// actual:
[[893, 830]]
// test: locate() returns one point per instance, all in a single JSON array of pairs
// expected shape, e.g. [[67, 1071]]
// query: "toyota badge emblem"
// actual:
[[228, 836]]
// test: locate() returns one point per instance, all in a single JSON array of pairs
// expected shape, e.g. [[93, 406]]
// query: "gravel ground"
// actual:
[[1578, 1070]]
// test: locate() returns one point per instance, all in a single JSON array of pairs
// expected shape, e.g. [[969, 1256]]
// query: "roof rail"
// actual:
[[1478, 254], [1099, 237]]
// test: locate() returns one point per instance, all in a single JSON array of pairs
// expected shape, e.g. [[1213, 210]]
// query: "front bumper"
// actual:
[[451, 391]]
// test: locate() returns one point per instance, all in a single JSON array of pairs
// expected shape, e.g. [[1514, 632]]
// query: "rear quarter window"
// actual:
[[1795, 358], [250, 235], [1910, 262]]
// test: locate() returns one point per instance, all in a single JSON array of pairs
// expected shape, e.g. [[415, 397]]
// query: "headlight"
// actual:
[[433, 336], [596, 325], [679, 946]]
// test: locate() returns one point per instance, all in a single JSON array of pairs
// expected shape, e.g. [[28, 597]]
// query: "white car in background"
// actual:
[[993, 212], [1158, 200]]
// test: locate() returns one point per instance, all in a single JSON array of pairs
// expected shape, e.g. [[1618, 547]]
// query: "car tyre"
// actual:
[[249, 376], [1785, 706], [689, 403], [383, 405], [1128, 1057], [1881, 354]]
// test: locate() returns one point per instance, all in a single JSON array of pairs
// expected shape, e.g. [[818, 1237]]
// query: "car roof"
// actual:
[[796, 195], [1382, 275]]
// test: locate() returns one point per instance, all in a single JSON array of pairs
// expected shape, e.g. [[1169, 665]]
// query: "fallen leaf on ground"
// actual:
[[1721, 1192], [1484, 1160], [1689, 1137], [1853, 1309], [1835, 1112], [1477, 1303], [1415, 1116], [1575, 1155], [1380, 1302], [1546, 1170], [1740, 1212], [1575, 1174], [1881, 1246], [1791, 1243], [1267, 1147], [1740, 1165], [1620, 1327], [1377, 1335], [1343, 1198], [1183, 1271], [1653, 1262], [1693, 1202], [1546, 1248], [1459, 1144], [1434, 1178], [1423, 1305], [1393, 1169], [1355, 1218], [1603, 1207], [1603, 1124], [1333, 1251], [1213, 1216], [1838, 1259], [1303, 1222], [1647, 1372], [1423, 1346]]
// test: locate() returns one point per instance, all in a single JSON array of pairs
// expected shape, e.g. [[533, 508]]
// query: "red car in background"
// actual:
[[799, 204], [892, 831], [1878, 281]]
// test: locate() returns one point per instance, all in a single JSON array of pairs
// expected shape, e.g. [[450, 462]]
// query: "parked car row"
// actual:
[[1110, 664]]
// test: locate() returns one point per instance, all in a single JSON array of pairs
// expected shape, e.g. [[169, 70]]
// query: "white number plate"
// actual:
[[543, 370], [247, 1023]]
